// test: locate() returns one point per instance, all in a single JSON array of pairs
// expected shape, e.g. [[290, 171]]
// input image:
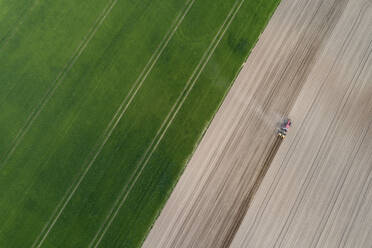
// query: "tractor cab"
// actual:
[[282, 132]]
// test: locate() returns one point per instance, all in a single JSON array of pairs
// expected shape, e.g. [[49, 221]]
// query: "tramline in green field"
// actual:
[[102, 104]]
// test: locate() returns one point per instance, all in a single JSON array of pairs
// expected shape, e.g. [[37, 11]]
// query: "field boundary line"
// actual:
[[114, 122], [57, 82], [165, 125]]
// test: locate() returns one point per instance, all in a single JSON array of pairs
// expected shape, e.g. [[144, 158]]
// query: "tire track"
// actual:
[[361, 201], [340, 182], [302, 70], [336, 195], [57, 82], [165, 125], [203, 221], [326, 141], [113, 123], [288, 156], [191, 201], [187, 219], [243, 208], [355, 207], [198, 225]]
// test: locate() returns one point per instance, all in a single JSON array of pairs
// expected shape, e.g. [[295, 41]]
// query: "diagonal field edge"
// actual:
[[183, 96], [161, 128], [113, 123], [57, 82]]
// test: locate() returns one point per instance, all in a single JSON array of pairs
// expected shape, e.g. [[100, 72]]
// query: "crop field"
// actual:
[[101, 105]]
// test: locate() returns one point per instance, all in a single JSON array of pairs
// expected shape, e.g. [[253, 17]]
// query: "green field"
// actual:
[[101, 105]]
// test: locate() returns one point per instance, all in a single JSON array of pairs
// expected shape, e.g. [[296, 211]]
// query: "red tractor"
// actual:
[[282, 132]]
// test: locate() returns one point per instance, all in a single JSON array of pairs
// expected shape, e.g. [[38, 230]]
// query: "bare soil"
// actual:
[[312, 63]]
